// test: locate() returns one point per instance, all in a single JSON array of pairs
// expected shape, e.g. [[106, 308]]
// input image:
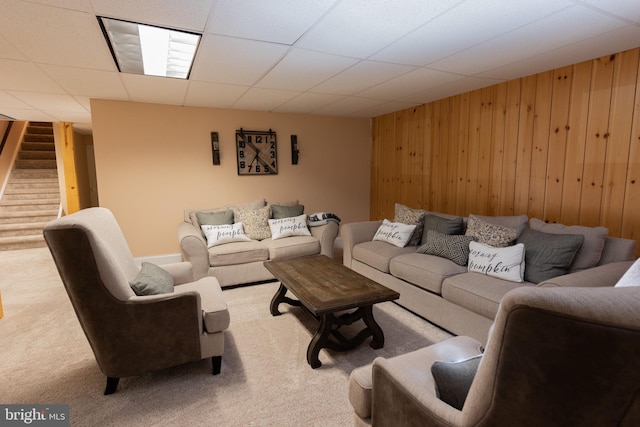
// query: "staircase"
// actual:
[[32, 196]]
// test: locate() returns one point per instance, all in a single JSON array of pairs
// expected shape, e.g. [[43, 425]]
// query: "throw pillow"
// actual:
[[226, 233], [548, 255], [410, 216], [396, 233], [280, 211], [286, 227], [152, 280], [453, 380], [255, 222], [215, 218], [589, 254], [503, 263], [441, 225], [490, 234], [516, 222], [631, 277], [453, 247]]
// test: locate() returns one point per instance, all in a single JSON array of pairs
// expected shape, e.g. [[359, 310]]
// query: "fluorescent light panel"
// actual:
[[150, 50]]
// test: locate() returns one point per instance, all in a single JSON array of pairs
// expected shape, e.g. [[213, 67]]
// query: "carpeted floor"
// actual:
[[265, 380]]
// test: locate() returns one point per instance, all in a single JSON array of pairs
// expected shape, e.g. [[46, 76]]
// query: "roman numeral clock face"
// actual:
[[257, 152]]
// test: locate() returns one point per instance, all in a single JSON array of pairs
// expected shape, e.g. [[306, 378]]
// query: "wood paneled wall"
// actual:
[[562, 146]]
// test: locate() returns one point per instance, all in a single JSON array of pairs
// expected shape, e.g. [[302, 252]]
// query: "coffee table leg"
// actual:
[[318, 341], [378, 336], [277, 299]]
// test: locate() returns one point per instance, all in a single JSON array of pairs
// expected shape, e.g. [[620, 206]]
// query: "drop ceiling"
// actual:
[[355, 58]]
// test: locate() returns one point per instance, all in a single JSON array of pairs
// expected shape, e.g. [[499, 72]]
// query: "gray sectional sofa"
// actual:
[[463, 302], [241, 262]]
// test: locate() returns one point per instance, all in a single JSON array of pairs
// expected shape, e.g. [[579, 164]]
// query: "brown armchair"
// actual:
[[131, 334], [555, 357]]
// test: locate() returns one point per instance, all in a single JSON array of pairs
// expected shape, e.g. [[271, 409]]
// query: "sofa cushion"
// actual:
[[283, 211], [407, 215], [478, 293], [453, 247], [489, 233], [226, 233], [214, 218], [292, 247], [396, 233], [441, 224], [289, 226], [152, 280], [255, 221], [548, 255], [378, 254], [503, 263], [453, 379], [425, 271], [238, 253], [591, 250]]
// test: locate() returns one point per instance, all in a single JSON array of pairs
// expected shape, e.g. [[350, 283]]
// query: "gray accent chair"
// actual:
[[555, 357], [130, 334]]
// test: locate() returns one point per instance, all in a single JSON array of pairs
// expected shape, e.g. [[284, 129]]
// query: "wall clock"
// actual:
[[257, 152]]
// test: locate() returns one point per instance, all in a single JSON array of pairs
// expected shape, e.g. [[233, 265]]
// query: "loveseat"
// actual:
[[437, 286], [240, 259]]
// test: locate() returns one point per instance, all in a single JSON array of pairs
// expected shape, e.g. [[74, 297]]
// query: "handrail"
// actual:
[[5, 136]]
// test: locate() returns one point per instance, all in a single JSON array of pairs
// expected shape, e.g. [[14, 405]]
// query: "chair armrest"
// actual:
[[182, 272], [194, 249], [403, 389], [354, 233], [602, 275], [326, 234]]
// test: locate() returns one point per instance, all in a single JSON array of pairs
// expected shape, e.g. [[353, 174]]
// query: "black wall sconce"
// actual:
[[215, 148], [294, 149]]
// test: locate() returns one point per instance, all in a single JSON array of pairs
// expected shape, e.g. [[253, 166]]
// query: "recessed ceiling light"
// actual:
[[150, 50]]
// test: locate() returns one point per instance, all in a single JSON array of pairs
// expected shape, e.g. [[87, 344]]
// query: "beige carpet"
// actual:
[[265, 380]]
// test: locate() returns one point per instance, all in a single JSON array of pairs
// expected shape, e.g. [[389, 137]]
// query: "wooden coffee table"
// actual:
[[325, 287]]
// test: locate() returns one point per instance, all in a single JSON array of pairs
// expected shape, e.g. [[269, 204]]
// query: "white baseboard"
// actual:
[[160, 259]]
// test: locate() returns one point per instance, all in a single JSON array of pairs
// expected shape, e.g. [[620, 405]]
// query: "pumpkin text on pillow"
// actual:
[[503, 263], [286, 227], [396, 233], [221, 234]]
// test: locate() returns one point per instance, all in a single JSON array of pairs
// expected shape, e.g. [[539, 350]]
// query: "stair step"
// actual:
[[38, 145], [28, 229], [27, 217], [36, 155], [20, 174], [45, 194], [21, 242], [35, 164], [39, 129], [28, 205]]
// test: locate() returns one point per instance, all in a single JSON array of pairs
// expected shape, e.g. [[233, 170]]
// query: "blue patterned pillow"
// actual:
[[451, 246]]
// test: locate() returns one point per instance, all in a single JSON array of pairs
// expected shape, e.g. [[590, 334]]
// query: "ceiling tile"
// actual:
[[347, 106], [359, 28], [49, 101], [77, 81], [361, 76], [406, 84], [625, 9], [204, 94], [78, 39], [381, 109], [28, 115], [277, 21], [466, 84], [179, 14], [473, 21], [578, 23], [66, 116], [24, 76], [9, 101], [304, 69], [308, 102], [9, 52], [155, 89], [234, 61], [264, 99]]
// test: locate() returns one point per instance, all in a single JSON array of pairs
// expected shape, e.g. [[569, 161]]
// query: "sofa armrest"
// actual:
[[194, 249], [326, 234], [182, 272], [602, 275], [354, 233]]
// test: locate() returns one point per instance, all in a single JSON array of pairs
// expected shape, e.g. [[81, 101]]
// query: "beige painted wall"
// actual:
[[153, 161]]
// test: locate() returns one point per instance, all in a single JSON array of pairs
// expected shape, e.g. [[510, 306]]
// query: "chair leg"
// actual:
[[112, 384], [216, 362]]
